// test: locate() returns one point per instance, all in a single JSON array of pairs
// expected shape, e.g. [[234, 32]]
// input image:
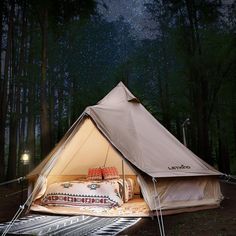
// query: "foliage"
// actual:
[[187, 70]]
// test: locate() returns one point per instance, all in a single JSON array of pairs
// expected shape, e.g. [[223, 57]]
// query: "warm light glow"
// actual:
[[25, 158]]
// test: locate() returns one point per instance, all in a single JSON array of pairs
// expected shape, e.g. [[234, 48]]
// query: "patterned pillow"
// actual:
[[94, 174], [110, 173]]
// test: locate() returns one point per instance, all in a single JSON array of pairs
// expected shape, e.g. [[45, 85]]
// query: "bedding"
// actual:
[[106, 193]]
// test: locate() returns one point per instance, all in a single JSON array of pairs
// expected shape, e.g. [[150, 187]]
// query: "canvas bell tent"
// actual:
[[120, 132]]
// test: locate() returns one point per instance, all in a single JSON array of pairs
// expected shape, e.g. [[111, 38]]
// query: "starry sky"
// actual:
[[133, 12], [136, 14]]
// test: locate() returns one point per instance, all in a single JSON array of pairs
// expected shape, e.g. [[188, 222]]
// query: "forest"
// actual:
[[58, 57]]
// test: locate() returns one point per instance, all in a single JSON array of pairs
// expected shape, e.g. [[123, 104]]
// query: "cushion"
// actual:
[[110, 173], [94, 174]]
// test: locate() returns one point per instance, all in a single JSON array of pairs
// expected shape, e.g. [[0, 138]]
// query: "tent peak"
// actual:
[[122, 85], [118, 94]]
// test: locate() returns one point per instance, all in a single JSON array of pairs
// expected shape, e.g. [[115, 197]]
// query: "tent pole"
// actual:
[[123, 175], [160, 221]]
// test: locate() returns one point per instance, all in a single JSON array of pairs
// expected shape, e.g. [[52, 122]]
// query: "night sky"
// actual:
[[132, 12]]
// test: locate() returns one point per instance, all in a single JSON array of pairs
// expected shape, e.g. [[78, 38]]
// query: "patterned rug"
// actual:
[[36, 224]]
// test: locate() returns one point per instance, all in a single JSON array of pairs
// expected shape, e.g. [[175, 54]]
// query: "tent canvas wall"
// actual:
[[120, 128]]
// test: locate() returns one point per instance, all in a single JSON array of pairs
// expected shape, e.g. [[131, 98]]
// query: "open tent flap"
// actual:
[[87, 149]]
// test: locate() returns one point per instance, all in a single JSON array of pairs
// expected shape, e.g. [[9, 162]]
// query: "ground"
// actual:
[[214, 222], [217, 222], [11, 197]]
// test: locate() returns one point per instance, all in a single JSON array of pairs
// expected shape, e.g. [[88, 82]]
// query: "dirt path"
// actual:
[[215, 222]]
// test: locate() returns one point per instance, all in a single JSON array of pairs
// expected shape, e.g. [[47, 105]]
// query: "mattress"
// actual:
[[105, 193]]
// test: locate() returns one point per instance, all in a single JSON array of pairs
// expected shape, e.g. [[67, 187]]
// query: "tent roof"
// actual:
[[139, 137], [142, 139]]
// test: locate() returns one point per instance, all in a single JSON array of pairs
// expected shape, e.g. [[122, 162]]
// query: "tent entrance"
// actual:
[[90, 149]]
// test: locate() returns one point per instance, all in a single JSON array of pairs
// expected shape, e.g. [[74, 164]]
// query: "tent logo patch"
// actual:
[[182, 167]]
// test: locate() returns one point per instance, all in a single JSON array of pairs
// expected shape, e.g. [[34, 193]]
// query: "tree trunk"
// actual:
[[30, 140], [23, 121], [60, 130], [20, 74], [4, 92], [31, 123], [30, 97], [203, 122], [1, 30], [73, 102], [163, 97], [224, 163], [13, 124], [52, 112], [16, 70], [165, 75], [2, 146], [17, 73], [178, 128], [12, 159], [44, 117], [125, 75], [198, 79], [70, 105]]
